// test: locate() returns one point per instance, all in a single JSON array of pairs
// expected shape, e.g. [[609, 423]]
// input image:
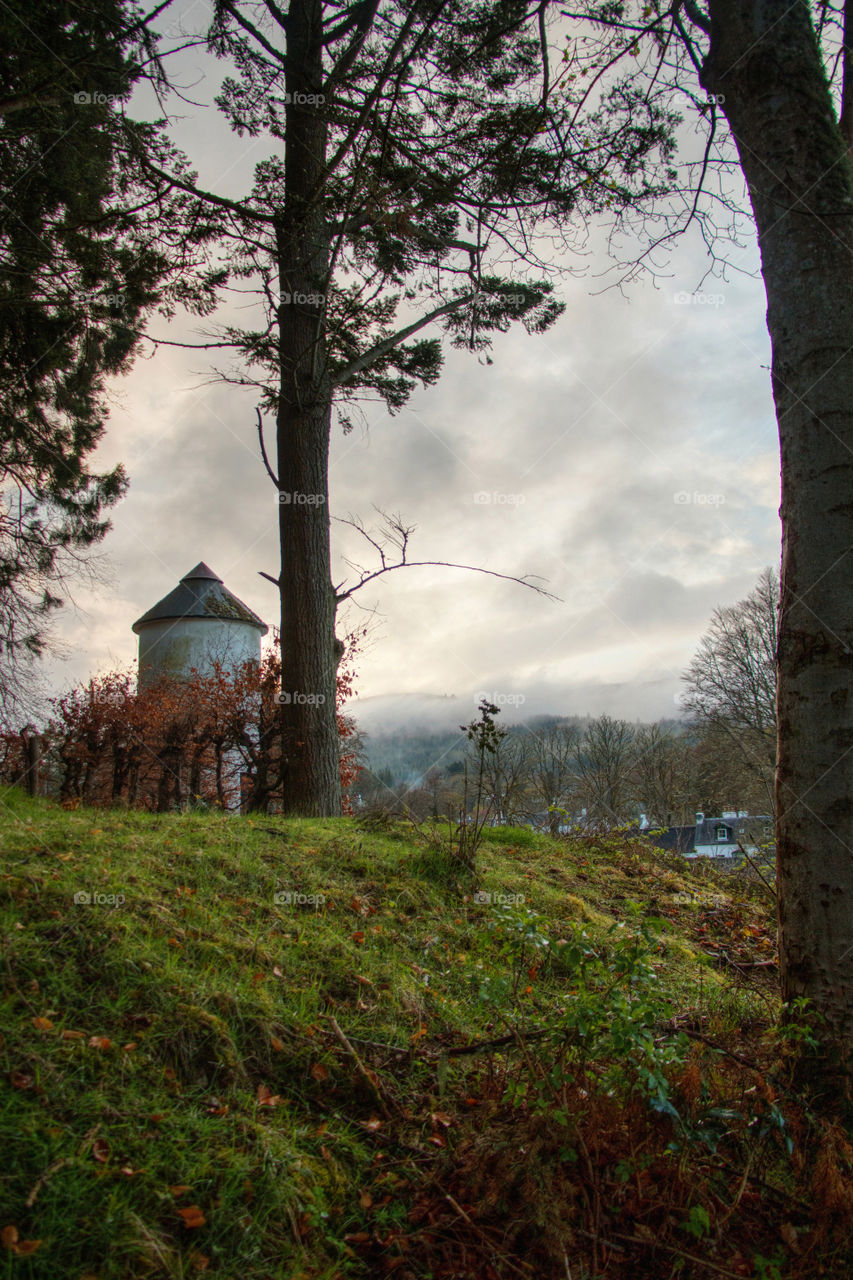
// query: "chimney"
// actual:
[[700, 818]]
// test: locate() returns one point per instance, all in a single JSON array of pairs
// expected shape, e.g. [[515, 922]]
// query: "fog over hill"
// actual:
[[648, 700], [410, 734]]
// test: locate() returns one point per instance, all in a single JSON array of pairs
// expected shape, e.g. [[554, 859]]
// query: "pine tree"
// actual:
[[87, 249]]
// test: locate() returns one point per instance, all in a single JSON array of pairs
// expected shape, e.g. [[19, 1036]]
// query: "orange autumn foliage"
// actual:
[[211, 740]]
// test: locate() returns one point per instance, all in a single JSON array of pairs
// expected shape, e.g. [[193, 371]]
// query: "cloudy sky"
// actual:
[[628, 457]]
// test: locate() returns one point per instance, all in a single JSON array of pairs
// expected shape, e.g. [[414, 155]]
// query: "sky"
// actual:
[[629, 457]]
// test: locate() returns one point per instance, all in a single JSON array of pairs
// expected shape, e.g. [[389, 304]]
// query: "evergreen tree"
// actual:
[[87, 248], [416, 147]]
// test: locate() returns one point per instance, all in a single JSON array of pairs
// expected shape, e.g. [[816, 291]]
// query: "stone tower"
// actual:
[[197, 624]]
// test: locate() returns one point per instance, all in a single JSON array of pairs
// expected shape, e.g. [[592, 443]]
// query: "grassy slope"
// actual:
[[178, 1052]]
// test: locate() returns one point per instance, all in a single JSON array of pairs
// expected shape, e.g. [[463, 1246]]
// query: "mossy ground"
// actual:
[[202, 1075]]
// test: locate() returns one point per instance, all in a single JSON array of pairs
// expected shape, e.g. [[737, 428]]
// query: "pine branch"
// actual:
[[388, 344]]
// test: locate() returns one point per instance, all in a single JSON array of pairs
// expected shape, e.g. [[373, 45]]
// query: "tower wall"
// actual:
[[172, 647]]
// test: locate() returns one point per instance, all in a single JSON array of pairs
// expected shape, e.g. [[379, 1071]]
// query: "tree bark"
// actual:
[[311, 780], [765, 62]]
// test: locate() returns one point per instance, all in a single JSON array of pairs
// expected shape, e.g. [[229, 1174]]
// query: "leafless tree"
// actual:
[[731, 682], [663, 774], [506, 777], [553, 755], [605, 766]]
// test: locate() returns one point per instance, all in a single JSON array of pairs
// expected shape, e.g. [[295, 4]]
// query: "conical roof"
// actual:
[[200, 594]]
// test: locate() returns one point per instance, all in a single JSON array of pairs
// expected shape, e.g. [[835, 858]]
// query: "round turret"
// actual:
[[196, 625]]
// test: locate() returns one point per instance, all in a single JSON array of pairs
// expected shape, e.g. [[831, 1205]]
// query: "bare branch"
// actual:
[[398, 537], [272, 475], [697, 17]]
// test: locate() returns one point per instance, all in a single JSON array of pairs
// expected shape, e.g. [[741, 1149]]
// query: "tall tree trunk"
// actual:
[[765, 61], [311, 780]]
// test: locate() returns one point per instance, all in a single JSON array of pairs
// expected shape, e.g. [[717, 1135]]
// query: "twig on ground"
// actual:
[[367, 1076]]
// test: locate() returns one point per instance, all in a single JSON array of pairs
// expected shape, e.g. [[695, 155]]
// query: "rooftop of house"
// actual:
[[714, 833], [200, 594]]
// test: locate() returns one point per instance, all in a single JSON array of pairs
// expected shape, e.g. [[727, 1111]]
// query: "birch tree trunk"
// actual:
[[765, 63]]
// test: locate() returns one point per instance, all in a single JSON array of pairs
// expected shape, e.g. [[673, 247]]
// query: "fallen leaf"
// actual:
[[199, 1260], [278, 1045], [128, 1048], [100, 1042], [441, 1117], [22, 1248], [357, 937], [20, 1081], [10, 1237], [42, 1024], [365, 1199], [319, 1072], [266, 1097], [276, 972], [788, 1232], [192, 1217], [373, 1123], [101, 1150], [178, 1190], [72, 1035]]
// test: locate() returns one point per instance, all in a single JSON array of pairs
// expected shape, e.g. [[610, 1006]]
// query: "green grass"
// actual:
[[144, 1031]]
